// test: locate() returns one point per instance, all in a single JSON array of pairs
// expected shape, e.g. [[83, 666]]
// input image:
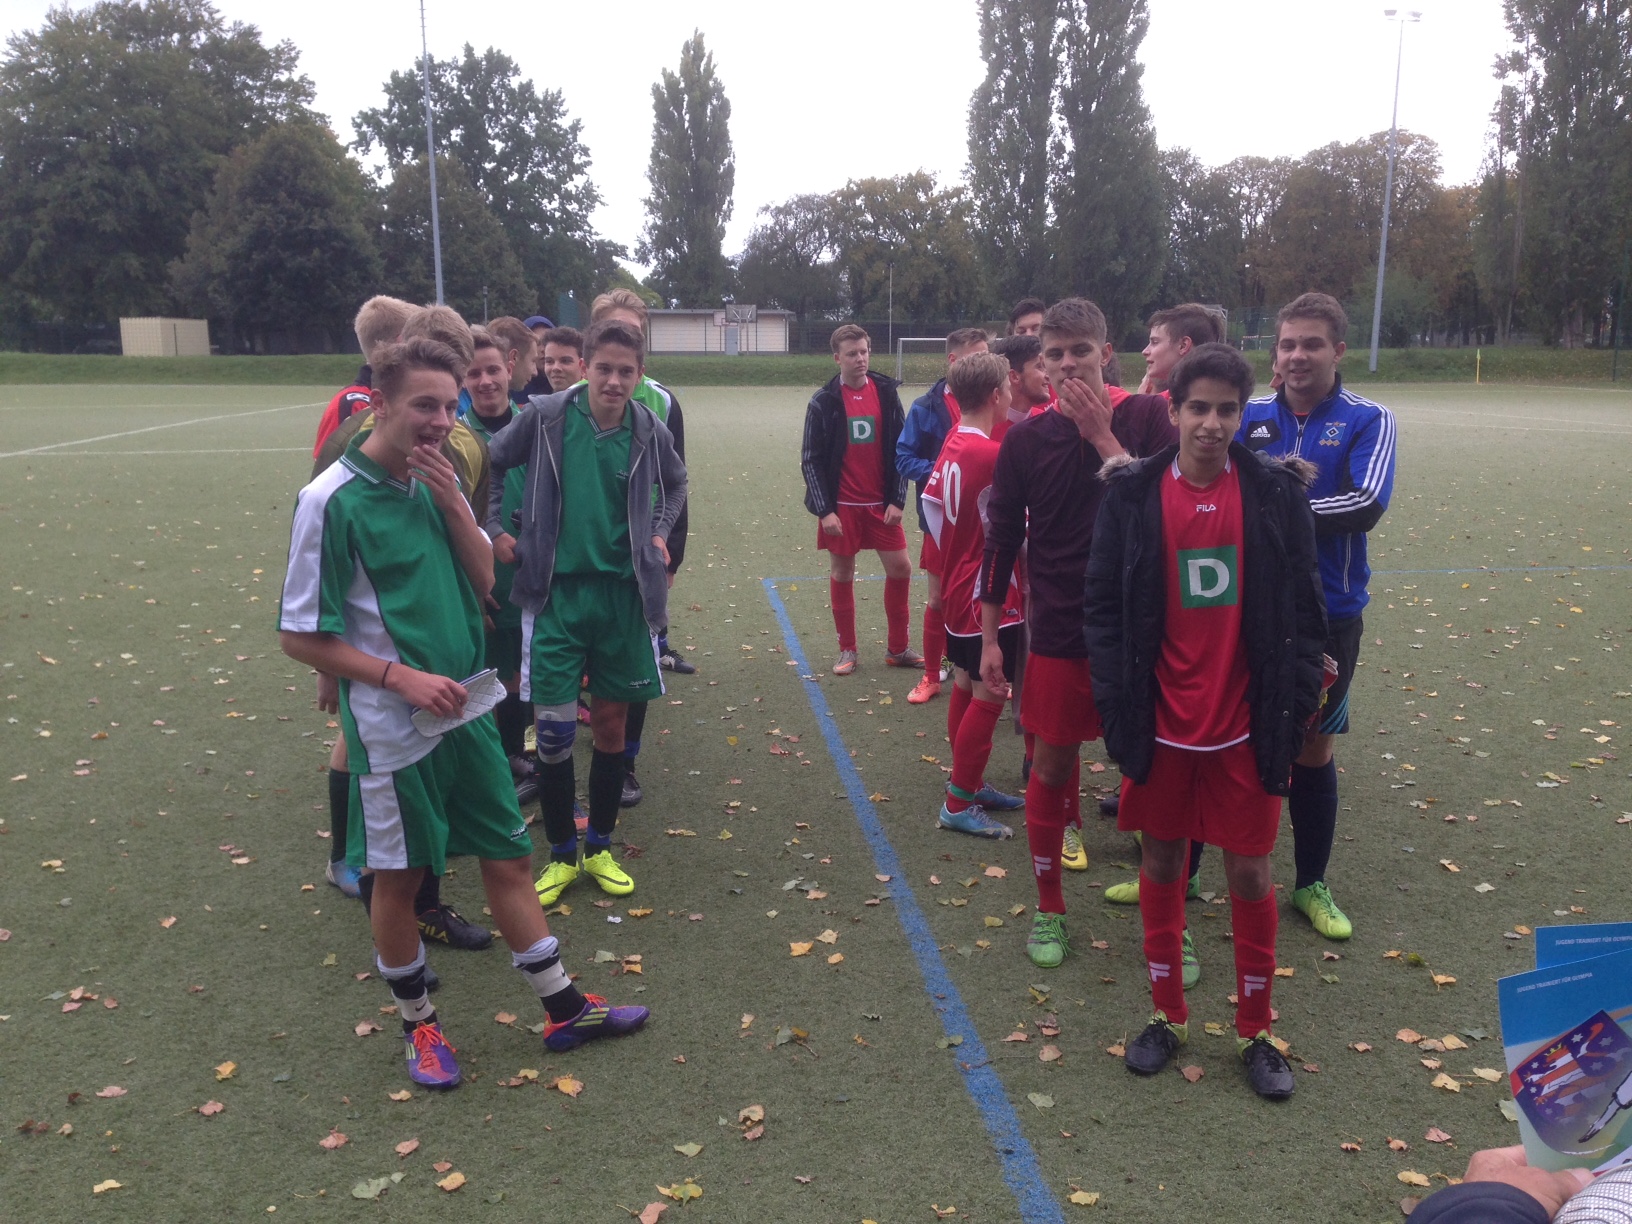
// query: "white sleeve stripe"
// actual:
[[1377, 469], [301, 607]]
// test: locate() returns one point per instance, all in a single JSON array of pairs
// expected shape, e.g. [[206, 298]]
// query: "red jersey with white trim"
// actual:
[[1201, 673], [861, 478], [955, 509]]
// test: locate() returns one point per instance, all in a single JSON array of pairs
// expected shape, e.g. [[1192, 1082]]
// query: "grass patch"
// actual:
[[1499, 365]]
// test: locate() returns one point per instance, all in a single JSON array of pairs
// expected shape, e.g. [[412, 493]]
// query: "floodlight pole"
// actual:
[[890, 326], [1388, 180], [430, 153]]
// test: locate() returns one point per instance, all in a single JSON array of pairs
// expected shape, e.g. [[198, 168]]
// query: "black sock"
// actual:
[[1312, 804], [556, 790], [561, 999], [512, 717], [413, 998], [662, 644], [365, 890], [633, 726], [1196, 849], [429, 895], [339, 812], [606, 774]]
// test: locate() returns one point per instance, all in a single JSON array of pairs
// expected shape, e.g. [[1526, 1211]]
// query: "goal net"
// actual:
[[921, 347]]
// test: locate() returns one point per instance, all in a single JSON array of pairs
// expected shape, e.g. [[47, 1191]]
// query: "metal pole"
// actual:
[[430, 153], [890, 342], [1620, 308], [1388, 191]]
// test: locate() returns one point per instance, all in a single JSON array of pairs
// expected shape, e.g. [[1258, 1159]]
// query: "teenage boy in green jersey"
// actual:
[[521, 348], [625, 304], [604, 488], [387, 572], [488, 383]]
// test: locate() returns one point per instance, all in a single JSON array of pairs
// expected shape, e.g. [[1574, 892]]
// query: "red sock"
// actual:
[[1255, 923], [842, 595], [1073, 796], [897, 613], [955, 709], [1045, 831], [971, 750], [1161, 908], [934, 642], [1031, 743]]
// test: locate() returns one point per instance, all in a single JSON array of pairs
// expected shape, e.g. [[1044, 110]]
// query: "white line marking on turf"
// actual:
[[130, 433], [248, 450]]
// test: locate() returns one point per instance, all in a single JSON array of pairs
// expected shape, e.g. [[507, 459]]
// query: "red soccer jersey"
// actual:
[[954, 409], [355, 398], [955, 508], [861, 479], [1201, 674]]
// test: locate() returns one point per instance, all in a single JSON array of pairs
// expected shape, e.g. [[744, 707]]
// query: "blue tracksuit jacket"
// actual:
[[928, 422], [1350, 440]]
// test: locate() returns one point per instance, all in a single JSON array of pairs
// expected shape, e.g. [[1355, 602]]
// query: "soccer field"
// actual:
[[170, 941]]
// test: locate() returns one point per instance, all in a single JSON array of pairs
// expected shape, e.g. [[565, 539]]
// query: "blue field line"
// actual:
[[1020, 1168]]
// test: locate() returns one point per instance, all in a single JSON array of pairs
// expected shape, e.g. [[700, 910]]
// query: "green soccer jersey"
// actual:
[[593, 537], [508, 615], [371, 562]]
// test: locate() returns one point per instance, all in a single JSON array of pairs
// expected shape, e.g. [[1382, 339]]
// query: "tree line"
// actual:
[[156, 158]]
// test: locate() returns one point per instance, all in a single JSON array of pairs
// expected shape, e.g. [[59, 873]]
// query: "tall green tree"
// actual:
[[517, 147], [1206, 233], [114, 120], [476, 251], [692, 174], [286, 241], [1574, 80], [1111, 230], [1011, 124], [923, 230], [788, 260]]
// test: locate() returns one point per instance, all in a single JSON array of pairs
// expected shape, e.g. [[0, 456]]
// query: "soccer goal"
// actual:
[[920, 344]]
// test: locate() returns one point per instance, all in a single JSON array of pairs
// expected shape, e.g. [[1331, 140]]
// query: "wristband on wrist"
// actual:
[[385, 673]]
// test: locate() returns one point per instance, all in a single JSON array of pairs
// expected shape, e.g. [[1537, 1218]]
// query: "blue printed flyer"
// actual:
[[1561, 944], [1567, 1036]]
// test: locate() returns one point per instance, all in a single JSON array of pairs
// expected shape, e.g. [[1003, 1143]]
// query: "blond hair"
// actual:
[[444, 324], [975, 377], [618, 299], [514, 335], [379, 321]]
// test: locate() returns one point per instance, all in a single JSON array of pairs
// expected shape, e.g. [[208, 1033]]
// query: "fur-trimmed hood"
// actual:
[[1301, 469]]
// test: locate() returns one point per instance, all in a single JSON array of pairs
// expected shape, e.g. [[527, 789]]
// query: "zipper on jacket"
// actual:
[[1348, 557]]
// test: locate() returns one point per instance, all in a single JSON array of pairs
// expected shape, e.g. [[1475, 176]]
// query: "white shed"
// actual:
[[704, 331], [158, 337]]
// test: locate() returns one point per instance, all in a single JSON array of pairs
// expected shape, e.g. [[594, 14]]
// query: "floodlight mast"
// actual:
[[1388, 180], [430, 153]]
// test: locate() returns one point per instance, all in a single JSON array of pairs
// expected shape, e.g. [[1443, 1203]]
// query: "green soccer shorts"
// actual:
[[595, 625], [457, 799]]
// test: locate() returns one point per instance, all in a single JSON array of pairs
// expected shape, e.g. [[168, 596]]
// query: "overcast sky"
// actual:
[[1293, 75]]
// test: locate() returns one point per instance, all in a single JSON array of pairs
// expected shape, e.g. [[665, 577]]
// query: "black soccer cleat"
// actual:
[[1267, 1069], [1110, 804], [444, 925], [632, 794], [672, 660], [1151, 1051]]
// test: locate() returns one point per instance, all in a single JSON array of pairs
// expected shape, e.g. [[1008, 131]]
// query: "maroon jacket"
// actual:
[[1046, 494]]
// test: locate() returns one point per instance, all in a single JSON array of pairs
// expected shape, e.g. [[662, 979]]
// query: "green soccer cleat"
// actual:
[[604, 869], [1316, 904], [553, 882], [1047, 944], [1127, 893], [1190, 974]]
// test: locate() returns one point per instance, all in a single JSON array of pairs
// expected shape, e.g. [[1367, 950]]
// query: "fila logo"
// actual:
[[1208, 577], [1204, 509], [1042, 866], [1252, 985], [862, 430], [1158, 972], [1259, 431]]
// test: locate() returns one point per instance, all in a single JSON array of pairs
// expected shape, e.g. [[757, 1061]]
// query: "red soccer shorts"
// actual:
[[1057, 700], [929, 556], [864, 530], [1213, 797]]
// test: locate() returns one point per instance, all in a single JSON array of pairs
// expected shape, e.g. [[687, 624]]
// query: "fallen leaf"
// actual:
[[1192, 1073], [451, 1182], [650, 1213], [1435, 1135], [442, 1166], [404, 1095], [681, 1191], [1360, 1047], [1040, 1099], [104, 1186], [1411, 1178], [688, 1150], [407, 1147], [836, 958], [1084, 1198], [225, 1070], [997, 873], [642, 913], [1398, 1145], [1452, 1042], [1285, 971], [210, 1108], [1443, 979], [800, 949], [1049, 1053], [1447, 1083], [755, 1132], [1409, 1036], [1349, 1147], [332, 1140], [167, 923], [828, 937], [365, 1027], [1116, 1051], [1489, 1074], [112, 1090], [504, 1017], [568, 1085]]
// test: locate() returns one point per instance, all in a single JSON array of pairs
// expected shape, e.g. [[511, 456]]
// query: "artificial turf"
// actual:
[[142, 573]]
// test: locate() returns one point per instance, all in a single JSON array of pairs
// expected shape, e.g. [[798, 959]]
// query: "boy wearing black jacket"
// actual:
[[1204, 622]]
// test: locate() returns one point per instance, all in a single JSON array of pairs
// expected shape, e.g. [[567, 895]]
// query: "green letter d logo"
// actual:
[[1208, 578], [861, 430]]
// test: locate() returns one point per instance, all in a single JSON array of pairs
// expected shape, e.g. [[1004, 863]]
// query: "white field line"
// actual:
[[247, 450], [130, 433]]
